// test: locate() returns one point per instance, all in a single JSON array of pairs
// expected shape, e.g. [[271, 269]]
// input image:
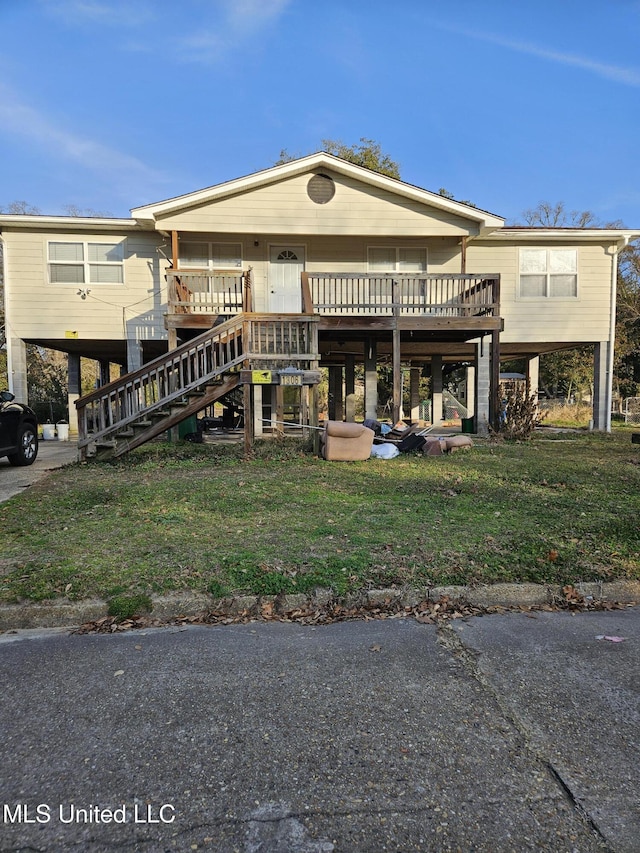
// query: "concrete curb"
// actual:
[[63, 613]]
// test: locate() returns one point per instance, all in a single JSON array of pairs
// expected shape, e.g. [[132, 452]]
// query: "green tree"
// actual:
[[366, 153], [627, 358]]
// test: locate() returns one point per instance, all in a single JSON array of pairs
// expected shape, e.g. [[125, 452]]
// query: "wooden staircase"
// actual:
[[141, 405]]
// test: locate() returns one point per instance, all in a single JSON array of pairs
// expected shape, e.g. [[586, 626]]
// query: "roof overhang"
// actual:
[[150, 213], [620, 236], [29, 222]]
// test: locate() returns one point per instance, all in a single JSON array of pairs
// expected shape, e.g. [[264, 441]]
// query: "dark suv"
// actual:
[[18, 431]]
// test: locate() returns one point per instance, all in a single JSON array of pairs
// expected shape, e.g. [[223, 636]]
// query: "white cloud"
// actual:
[[616, 73], [240, 20], [121, 13], [120, 169]]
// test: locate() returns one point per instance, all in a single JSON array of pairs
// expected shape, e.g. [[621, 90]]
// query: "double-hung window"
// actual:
[[210, 256], [86, 263], [548, 273], [397, 259]]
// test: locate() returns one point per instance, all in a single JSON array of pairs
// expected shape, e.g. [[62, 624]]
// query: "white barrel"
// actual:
[[48, 432], [63, 431]]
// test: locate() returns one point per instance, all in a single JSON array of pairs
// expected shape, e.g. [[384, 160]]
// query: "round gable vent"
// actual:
[[321, 189]]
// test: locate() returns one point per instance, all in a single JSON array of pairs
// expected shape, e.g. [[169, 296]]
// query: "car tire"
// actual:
[[27, 447]]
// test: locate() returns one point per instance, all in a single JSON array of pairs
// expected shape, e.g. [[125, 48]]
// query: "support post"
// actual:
[[414, 393], [470, 394], [105, 372], [174, 250], [436, 389], [313, 418], [601, 398], [494, 408], [533, 376], [17, 368], [370, 379], [350, 387], [482, 389], [257, 411], [397, 366], [134, 355], [279, 409], [248, 418], [74, 386], [335, 393]]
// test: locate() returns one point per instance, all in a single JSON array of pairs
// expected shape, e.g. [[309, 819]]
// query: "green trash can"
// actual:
[[187, 426], [467, 425]]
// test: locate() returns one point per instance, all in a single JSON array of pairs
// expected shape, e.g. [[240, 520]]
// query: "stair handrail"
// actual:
[[161, 381]]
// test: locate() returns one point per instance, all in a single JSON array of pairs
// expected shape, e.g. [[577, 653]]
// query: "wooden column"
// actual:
[[174, 250]]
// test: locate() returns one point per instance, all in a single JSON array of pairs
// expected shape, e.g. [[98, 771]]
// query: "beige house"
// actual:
[[316, 262]]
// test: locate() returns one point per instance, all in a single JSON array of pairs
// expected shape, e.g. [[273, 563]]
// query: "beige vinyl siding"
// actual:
[[39, 310], [285, 207], [332, 254], [582, 319]]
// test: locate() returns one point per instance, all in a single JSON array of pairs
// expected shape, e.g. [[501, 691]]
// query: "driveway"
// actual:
[[505, 734], [51, 455]]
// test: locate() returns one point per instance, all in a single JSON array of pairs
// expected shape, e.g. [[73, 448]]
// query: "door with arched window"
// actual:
[[285, 285]]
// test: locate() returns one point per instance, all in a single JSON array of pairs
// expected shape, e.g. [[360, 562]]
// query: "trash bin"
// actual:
[[48, 432], [467, 425], [63, 431], [187, 426]]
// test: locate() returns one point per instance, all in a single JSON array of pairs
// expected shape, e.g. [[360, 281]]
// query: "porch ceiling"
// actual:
[[100, 350]]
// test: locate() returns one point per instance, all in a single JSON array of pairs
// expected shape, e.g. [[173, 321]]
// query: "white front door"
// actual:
[[285, 287]]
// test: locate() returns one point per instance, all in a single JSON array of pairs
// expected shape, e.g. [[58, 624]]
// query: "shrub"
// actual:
[[520, 414]]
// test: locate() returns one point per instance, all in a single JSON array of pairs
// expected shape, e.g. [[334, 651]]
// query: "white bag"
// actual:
[[384, 451]]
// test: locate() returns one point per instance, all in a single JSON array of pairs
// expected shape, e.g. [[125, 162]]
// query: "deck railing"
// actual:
[[227, 293], [245, 339], [455, 295], [221, 292]]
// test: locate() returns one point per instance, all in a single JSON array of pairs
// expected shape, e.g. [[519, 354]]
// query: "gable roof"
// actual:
[[486, 222]]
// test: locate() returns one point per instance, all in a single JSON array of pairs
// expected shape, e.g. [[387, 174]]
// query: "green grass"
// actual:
[[560, 508]]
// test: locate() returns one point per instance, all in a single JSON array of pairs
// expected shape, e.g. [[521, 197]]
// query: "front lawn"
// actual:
[[561, 508]]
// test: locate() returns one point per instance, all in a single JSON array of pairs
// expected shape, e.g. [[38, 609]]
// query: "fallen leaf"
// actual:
[[611, 639], [118, 672]]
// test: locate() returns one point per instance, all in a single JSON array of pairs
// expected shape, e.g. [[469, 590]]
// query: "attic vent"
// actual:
[[321, 189]]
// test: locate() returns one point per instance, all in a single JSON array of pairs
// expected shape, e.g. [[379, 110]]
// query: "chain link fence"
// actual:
[[632, 410]]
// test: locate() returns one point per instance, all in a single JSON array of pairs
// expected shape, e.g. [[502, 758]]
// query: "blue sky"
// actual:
[[112, 104]]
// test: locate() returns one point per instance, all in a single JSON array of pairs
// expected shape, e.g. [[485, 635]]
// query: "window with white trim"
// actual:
[[397, 259], [210, 256], [86, 263], [548, 273]]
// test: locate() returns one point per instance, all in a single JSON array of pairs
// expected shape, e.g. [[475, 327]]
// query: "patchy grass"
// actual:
[[560, 508]]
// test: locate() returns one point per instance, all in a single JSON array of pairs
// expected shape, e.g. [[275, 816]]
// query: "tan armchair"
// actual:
[[346, 442]]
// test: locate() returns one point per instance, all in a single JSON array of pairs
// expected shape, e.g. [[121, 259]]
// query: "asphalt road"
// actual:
[[503, 733], [51, 455]]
